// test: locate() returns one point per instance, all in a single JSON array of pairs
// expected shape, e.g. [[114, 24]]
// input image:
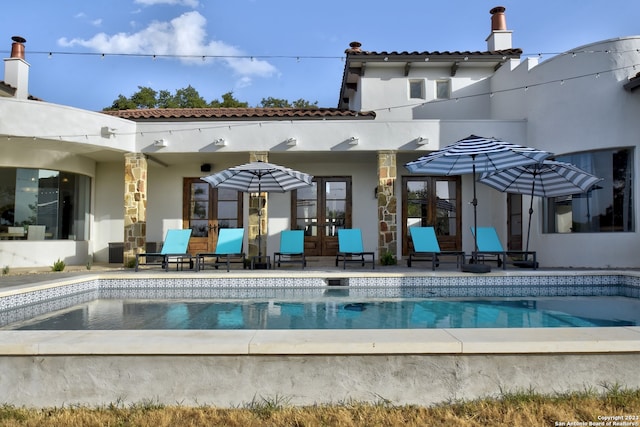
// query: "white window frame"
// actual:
[[422, 88], [437, 92]]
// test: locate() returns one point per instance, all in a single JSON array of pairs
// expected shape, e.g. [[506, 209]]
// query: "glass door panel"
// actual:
[[206, 210], [335, 207], [514, 215], [321, 210], [434, 202]]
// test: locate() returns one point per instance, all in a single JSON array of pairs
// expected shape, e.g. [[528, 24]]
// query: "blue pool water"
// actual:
[[339, 313]]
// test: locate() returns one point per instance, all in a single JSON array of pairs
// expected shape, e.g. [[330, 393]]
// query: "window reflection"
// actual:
[[606, 207], [44, 204]]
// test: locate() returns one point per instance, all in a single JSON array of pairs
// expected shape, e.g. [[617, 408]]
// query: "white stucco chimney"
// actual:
[[16, 69], [500, 37]]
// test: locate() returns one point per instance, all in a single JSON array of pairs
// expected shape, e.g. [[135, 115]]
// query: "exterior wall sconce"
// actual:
[[354, 140], [160, 143], [220, 142], [107, 132], [291, 142], [422, 140]]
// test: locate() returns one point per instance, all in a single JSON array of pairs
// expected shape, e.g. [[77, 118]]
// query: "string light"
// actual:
[[388, 108], [294, 57]]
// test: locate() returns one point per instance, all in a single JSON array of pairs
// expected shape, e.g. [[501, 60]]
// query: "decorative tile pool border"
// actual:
[[67, 294]]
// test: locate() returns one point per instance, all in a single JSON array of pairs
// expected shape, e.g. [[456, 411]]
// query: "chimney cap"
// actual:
[[354, 47], [19, 39], [498, 20]]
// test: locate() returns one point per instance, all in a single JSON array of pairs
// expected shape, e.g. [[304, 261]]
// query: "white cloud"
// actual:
[[184, 36], [243, 82], [190, 3], [96, 22]]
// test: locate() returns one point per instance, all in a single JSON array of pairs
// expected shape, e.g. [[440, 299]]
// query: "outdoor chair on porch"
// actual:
[[228, 250], [350, 248], [489, 246], [426, 248], [174, 251], [291, 248]]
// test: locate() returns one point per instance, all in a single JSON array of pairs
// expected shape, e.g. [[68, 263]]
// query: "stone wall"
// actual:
[[387, 204], [135, 205]]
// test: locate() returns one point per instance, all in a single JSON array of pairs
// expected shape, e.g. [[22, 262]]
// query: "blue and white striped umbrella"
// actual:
[[258, 177], [546, 179], [476, 154]]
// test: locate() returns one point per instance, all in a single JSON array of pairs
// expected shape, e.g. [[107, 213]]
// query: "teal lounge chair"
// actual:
[[350, 248], [291, 248], [489, 245], [174, 251], [426, 248], [228, 250]]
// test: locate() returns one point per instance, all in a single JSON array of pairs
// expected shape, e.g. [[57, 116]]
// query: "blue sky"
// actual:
[[287, 49]]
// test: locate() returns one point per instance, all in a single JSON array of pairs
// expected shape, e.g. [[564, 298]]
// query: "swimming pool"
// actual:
[[228, 368], [338, 312], [334, 302]]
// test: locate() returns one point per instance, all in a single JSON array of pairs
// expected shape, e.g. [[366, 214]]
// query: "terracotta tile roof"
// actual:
[[515, 52], [241, 113], [633, 83], [8, 90]]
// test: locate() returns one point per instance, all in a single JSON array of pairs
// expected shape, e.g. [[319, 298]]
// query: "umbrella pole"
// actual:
[[259, 219], [474, 267], [533, 187], [474, 202]]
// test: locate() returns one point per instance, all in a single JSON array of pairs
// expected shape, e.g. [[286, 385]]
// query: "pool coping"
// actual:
[[316, 342]]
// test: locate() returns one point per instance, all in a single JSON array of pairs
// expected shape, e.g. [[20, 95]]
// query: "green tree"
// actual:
[[145, 97], [166, 100], [228, 101], [303, 103], [122, 103], [272, 102], [189, 97]]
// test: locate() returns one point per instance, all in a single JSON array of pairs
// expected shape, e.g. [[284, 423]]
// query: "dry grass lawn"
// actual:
[[520, 409]]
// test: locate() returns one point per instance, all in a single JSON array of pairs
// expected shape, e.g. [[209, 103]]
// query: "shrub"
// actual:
[[59, 265], [388, 258]]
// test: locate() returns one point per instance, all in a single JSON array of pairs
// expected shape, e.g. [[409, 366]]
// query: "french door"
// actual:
[[321, 210], [205, 210], [514, 222], [432, 201]]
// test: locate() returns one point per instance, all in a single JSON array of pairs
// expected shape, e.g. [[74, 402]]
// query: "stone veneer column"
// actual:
[[135, 205], [387, 203], [254, 205]]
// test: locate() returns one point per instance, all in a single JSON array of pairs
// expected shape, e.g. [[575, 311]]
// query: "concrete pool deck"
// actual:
[[228, 368]]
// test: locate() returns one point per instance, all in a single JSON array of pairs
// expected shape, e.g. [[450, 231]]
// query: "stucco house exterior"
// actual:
[[106, 185]]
